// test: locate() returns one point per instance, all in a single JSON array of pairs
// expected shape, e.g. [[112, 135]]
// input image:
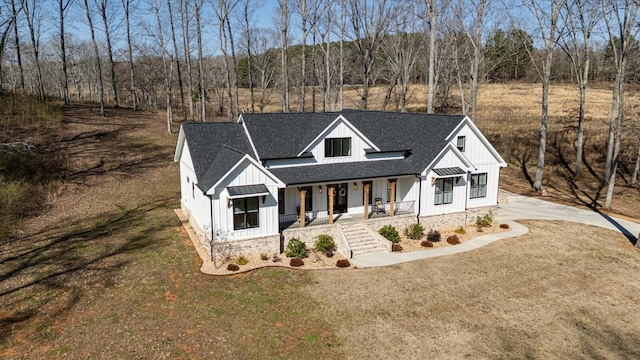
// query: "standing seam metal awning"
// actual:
[[449, 172], [247, 191]]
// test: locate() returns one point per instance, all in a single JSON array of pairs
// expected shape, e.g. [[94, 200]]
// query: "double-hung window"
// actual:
[[478, 187], [460, 143], [337, 147], [246, 213], [444, 191]]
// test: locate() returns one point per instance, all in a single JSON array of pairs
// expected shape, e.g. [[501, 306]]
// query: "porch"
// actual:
[[321, 217]]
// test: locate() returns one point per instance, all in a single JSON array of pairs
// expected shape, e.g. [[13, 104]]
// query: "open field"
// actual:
[[103, 270]]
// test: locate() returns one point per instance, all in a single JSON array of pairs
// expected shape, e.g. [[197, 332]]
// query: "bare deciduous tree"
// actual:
[[580, 18], [96, 52], [549, 25], [283, 25], [126, 4], [620, 18]]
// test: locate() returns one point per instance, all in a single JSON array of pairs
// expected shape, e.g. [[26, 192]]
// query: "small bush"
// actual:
[[427, 243], [453, 240], [414, 231], [296, 249], [296, 262], [343, 263], [264, 256], [242, 261], [396, 247], [324, 243], [433, 235], [390, 233], [460, 230], [329, 253], [504, 226], [233, 267], [484, 221]]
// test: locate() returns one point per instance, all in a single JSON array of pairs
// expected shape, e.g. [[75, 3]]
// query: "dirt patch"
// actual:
[[561, 291]]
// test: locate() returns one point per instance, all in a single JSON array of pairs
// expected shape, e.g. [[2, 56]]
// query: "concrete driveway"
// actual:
[[517, 208], [524, 207]]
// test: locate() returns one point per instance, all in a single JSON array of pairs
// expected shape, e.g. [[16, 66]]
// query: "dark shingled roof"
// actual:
[[215, 148], [284, 136]]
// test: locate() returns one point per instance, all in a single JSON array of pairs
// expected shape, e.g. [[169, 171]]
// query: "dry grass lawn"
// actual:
[[562, 291]]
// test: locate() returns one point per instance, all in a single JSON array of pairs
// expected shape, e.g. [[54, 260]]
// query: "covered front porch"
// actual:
[[347, 201]]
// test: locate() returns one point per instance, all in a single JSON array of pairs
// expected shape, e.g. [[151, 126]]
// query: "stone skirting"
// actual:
[[269, 244], [308, 235], [398, 221], [453, 220]]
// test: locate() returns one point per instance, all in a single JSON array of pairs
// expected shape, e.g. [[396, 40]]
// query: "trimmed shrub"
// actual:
[[427, 243], [324, 243], [460, 230], [414, 231], [242, 261], [296, 249], [484, 221], [329, 253], [433, 235], [343, 263], [233, 267], [264, 256], [296, 262], [396, 247], [453, 240], [504, 226], [390, 233]]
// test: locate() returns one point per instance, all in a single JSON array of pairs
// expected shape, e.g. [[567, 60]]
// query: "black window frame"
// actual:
[[464, 143], [281, 205], [480, 189], [308, 199], [246, 213], [439, 196], [340, 144]]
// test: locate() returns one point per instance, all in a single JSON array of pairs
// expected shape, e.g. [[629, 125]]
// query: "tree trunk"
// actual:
[[97, 55], [234, 78], [634, 177], [249, 56], [35, 44], [167, 71], [177, 55], [284, 24], [63, 51], [227, 68], [17, 42], [134, 98], [112, 65], [431, 10], [537, 184], [303, 71], [203, 100], [341, 55], [184, 7]]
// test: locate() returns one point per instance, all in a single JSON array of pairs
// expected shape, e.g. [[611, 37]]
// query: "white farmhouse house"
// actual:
[[269, 177]]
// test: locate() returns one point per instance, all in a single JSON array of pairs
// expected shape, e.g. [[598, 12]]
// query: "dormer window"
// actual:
[[337, 147], [461, 141]]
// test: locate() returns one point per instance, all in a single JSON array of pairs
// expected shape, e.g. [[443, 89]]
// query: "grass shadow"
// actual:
[[44, 275]]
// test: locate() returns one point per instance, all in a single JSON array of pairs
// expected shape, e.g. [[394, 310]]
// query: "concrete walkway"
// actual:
[[518, 207]]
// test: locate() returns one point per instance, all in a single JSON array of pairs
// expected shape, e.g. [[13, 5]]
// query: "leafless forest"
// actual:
[[198, 60]]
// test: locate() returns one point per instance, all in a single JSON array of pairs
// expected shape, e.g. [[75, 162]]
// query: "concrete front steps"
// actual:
[[364, 241]]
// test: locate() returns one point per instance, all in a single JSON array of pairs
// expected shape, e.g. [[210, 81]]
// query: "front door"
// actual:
[[339, 198]]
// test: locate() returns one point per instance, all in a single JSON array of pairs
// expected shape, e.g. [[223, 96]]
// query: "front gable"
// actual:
[[247, 171], [449, 157], [340, 128], [477, 148]]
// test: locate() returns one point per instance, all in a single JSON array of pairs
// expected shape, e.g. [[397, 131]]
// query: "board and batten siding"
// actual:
[[493, 177], [340, 130], [193, 199], [247, 174], [475, 150], [446, 160]]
